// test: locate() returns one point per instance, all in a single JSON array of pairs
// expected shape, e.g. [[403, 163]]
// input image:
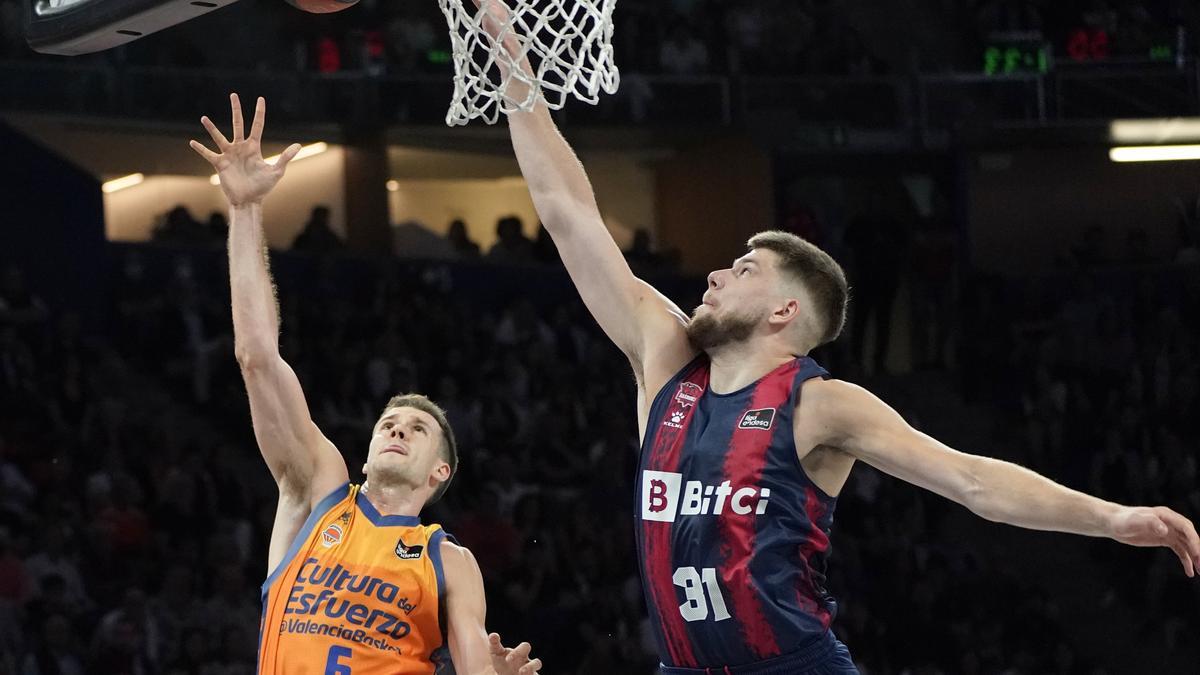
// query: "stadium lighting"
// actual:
[[393, 186], [1154, 153], [123, 182], [305, 152], [1166, 130]]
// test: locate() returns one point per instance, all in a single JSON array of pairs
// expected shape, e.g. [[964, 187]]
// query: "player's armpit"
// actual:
[[850, 418]]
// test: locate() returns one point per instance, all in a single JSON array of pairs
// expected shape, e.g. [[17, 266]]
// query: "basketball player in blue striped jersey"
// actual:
[[746, 441]]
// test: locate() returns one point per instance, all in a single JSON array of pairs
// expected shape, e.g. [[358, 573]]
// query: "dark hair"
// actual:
[[816, 271], [449, 448]]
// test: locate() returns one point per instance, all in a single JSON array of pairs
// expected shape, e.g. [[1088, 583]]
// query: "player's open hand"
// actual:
[[1159, 526], [514, 661], [245, 177]]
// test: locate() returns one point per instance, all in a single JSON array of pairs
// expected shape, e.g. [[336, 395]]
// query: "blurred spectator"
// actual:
[[14, 580], [179, 227], [544, 249], [878, 241], [746, 24], [410, 37], [129, 636], [682, 53], [55, 559], [413, 240], [218, 226], [460, 241], [511, 247], [55, 650], [318, 236], [18, 305], [641, 255]]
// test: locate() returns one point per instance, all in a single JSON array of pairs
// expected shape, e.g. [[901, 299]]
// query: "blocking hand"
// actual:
[[245, 177]]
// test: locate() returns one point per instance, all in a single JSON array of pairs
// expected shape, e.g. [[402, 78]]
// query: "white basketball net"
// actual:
[[568, 44]]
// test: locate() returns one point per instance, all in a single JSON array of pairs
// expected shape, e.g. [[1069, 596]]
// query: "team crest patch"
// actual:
[[688, 394], [758, 419], [331, 536], [406, 552]]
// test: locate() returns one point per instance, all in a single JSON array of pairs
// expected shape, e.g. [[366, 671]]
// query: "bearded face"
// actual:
[[709, 330]]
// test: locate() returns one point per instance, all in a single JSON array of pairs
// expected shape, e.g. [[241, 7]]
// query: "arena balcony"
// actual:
[[842, 109]]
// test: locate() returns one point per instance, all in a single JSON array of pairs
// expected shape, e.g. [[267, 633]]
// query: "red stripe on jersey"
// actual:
[[743, 468], [816, 542], [656, 536]]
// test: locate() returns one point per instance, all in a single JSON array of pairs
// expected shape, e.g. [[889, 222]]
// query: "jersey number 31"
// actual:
[[702, 591]]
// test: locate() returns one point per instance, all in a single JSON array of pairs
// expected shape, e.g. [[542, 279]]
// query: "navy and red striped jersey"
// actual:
[[732, 535]]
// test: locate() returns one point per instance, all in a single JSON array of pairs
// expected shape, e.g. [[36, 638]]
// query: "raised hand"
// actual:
[[245, 177], [514, 661], [1159, 526]]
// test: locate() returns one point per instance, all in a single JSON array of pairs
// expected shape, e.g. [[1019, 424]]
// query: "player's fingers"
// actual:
[[494, 644], [260, 119], [531, 668], [236, 104], [204, 152], [215, 133], [521, 651], [1186, 530], [1184, 551], [1184, 558], [287, 156]]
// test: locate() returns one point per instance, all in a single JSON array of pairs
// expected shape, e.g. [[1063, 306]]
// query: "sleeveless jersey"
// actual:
[[357, 592], [732, 535]]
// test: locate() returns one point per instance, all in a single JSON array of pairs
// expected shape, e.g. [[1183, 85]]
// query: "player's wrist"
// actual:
[[1111, 516], [246, 205]]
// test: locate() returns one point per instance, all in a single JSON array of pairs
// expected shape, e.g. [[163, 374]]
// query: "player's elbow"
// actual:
[[254, 355], [976, 493]]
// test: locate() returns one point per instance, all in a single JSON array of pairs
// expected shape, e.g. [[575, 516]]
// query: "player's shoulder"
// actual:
[[822, 391], [826, 404], [459, 566]]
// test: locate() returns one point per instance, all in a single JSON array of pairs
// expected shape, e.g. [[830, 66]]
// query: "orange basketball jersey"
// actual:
[[358, 592]]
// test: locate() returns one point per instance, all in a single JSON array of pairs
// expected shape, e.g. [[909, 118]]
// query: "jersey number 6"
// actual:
[[694, 586], [333, 662]]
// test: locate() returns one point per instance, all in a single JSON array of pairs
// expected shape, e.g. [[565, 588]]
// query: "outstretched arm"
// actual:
[[865, 427], [474, 651], [643, 323], [303, 462]]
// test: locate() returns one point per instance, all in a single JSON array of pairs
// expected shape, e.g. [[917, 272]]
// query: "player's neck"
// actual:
[[737, 365], [394, 500]]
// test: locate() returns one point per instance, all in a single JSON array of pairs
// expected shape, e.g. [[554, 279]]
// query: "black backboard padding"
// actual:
[[95, 25]]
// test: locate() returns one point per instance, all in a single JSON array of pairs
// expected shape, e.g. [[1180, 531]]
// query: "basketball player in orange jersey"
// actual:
[[356, 583], [746, 441]]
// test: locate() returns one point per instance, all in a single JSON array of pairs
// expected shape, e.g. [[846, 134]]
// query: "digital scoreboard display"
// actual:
[[1030, 52], [1010, 55]]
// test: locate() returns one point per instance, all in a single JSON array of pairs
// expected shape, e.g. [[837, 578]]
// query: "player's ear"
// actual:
[[442, 471], [788, 311]]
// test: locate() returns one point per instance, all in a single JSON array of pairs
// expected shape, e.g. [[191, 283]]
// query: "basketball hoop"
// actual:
[[568, 44]]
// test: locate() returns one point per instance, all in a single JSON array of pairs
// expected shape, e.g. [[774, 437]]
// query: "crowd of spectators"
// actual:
[[1095, 366], [135, 510]]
